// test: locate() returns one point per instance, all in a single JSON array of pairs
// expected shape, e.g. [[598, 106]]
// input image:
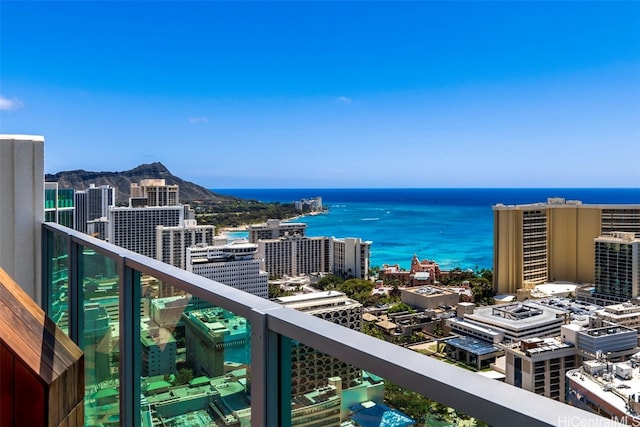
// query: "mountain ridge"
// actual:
[[81, 179]]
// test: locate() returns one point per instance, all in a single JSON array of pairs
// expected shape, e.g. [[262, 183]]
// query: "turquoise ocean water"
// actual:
[[454, 227]]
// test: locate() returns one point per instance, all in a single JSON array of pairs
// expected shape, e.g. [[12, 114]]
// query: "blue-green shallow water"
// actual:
[[454, 227]]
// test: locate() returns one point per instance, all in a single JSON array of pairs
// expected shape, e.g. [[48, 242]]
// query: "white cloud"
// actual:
[[10, 104], [344, 100], [194, 120]]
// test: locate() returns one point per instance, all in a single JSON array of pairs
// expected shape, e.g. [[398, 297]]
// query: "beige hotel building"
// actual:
[[553, 241]]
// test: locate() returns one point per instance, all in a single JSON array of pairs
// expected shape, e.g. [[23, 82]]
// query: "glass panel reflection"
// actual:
[[58, 276], [318, 381], [326, 391], [324, 388], [99, 338], [425, 411], [195, 360]]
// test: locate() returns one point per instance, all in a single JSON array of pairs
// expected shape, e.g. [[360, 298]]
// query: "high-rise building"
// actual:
[[135, 228], [98, 228], [295, 255], [234, 265], [58, 204], [541, 242], [540, 364], [274, 229], [99, 198], [155, 192], [351, 257], [172, 242], [617, 265], [92, 205], [313, 204], [80, 214], [311, 369]]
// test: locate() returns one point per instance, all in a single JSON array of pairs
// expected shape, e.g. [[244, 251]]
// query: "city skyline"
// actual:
[[330, 94]]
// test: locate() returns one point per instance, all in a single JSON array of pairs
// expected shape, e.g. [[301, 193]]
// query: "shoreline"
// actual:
[[245, 227]]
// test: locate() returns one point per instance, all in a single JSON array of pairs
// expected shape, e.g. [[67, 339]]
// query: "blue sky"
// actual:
[[330, 94]]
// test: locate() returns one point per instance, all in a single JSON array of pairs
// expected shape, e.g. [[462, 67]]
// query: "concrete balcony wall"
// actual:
[[22, 209]]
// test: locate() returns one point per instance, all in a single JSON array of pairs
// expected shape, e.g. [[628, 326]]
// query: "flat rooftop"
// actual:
[[543, 345], [607, 330], [311, 300], [473, 345], [609, 387], [516, 316], [429, 290]]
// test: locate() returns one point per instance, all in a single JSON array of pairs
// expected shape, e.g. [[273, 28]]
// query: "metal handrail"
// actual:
[[488, 400]]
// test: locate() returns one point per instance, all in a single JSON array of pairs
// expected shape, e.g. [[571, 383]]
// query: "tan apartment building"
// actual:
[[624, 314], [540, 365], [429, 297], [351, 257], [545, 242], [295, 255], [155, 192], [274, 229]]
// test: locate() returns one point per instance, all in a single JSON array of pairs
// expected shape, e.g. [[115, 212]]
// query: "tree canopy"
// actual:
[[399, 308], [329, 282]]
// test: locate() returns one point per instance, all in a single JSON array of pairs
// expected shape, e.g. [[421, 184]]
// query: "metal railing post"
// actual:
[[129, 362]]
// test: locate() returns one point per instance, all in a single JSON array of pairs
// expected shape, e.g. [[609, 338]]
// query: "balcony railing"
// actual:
[[108, 293]]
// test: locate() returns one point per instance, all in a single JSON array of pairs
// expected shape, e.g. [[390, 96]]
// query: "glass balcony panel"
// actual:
[[50, 216], [422, 410], [58, 279], [195, 359], [99, 337], [98, 323], [65, 218], [328, 389]]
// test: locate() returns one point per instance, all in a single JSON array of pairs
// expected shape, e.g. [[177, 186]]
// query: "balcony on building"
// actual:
[[164, 345]]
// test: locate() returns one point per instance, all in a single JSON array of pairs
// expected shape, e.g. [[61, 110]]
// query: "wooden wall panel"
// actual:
[[29, 406], [6, 386], [41, 369]]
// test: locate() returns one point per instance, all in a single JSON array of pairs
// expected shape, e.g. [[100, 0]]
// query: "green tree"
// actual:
[[374, 271], [358, 289], [371, 330], [487, 274], [276, 291], [483, 292], [395, 293], [184, 376], [329, 282], [399, 308]]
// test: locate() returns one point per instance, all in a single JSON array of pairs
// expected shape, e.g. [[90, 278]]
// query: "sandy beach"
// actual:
[[245, 227]]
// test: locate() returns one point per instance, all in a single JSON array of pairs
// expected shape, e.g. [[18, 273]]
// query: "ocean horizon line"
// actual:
[[455, 196], [425, 188]]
